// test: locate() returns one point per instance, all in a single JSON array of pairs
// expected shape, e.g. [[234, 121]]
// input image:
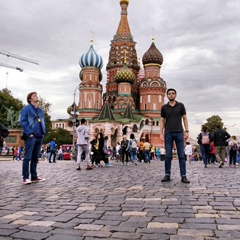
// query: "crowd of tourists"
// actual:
[[218, 147]]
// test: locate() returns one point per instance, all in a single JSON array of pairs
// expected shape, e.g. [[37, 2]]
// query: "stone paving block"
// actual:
[[35, 229], [89, 227], [135, 188], [7, 232], [155, 237], [105, 222], [198, 226], [202, 207], [126, 236], [162, 225], [42, 223], [61, 218], [195, 232], [133, 213], [186, 238], [134, 199], [118, 229], [165, 200], [61, 237], [90, 214], [229, 227], [86, 208], [4, 238], [67, 232], [227, 234], [169, 231], [22, 222], [26, 235], [205, 215], [100, 234]]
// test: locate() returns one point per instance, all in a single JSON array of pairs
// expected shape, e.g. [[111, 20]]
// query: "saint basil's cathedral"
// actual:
[[134, 95]]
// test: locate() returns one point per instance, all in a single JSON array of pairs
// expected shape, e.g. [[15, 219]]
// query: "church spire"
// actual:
[[106, 112], [123, 31]]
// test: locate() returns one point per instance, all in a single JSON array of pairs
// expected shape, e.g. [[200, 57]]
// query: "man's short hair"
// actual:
[[171, 89], [83, 120], [29, 96]]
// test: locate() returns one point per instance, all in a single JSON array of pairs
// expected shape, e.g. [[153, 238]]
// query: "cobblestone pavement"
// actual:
[[120, 202]]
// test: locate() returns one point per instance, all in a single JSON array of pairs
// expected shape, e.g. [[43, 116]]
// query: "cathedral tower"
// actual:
[[152, 86], [122, 43], [90, 89]]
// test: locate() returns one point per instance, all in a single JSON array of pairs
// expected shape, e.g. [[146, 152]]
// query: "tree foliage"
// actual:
[[62, 136], [7, 101], [212, 122], [45, 106]]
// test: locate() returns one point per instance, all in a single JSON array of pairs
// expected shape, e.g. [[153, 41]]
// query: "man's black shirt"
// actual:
[[173, 117]]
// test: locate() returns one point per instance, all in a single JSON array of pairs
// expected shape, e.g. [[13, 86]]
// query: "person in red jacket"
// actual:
[[212, 157]]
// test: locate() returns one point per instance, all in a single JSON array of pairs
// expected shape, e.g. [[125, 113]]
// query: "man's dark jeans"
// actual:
[[33, 147], [52, 152], [178, 138]]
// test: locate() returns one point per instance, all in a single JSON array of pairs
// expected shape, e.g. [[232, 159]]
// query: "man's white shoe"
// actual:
[[26, 181]]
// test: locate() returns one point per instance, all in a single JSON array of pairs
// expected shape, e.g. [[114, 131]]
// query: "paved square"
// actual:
[[120, 202]]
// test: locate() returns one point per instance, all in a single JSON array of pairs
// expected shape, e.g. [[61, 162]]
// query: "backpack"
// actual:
[[205, 138], [134, 144], [234, 147], [124, 144]]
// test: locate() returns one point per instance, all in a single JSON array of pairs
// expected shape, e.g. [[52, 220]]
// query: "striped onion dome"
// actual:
[[125, 75], [91, 59], [152, 55]]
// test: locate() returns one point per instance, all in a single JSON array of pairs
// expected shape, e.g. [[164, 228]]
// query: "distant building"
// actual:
[[134, 94]]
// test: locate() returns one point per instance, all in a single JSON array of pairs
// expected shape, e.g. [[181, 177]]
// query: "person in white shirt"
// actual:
[[188, 151]]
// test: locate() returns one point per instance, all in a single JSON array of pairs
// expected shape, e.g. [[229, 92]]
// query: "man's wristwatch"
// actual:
[[186, 131]]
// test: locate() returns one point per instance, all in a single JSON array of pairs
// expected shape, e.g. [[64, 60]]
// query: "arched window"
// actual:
[[147, 122]]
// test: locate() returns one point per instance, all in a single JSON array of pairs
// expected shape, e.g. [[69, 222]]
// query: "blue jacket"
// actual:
[[29, 121]]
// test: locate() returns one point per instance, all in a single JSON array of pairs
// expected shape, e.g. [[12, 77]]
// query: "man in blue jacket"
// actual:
[[33, 124], [53, 147]]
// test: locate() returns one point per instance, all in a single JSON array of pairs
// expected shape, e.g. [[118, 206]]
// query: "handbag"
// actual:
[[23, 136], [3, 131], [107, 152]]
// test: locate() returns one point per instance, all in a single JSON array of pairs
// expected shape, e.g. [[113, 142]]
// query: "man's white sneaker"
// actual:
[[26, 181], [38, 180]]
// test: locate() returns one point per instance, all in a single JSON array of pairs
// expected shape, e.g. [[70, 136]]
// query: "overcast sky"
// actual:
[[199, 40]]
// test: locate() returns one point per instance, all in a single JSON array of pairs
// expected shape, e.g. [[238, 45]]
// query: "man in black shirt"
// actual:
[[171, 130]]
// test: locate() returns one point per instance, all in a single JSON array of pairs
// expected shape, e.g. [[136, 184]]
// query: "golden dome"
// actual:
[[125, 75]]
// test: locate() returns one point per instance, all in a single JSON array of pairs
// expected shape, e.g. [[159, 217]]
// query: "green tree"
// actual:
[[45, 106], [62, 136], [212, 122], [7, 101]]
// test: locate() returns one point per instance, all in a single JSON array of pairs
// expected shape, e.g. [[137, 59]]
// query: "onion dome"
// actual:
[[71, 108], [91, 59], [152, 55], [125, 75]]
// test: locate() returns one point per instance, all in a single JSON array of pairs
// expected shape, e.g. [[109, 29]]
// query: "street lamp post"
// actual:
[[74, 114]]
